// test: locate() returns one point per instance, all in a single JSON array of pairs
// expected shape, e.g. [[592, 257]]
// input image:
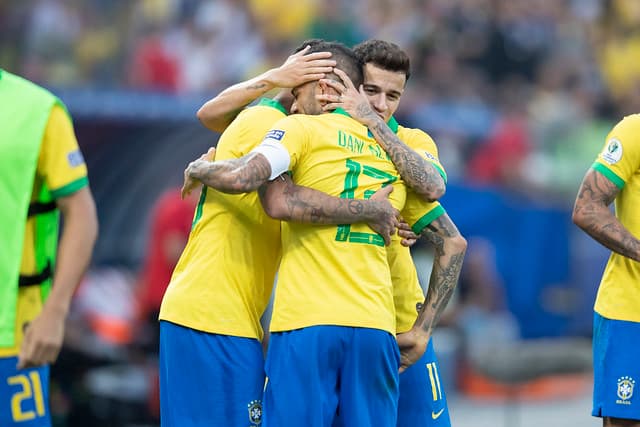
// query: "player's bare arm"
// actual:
[[450, 248], [284, 200], [591, 213], [44, 335], [419, 174], [217, 113], [241, 175]]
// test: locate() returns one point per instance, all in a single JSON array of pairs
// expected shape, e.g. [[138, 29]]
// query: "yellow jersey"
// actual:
[[62, 169], [334, 275], [618, 295], [407, 292], [223, 280]]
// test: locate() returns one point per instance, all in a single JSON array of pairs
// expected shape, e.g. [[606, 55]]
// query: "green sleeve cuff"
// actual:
[[268, 102], [427, 219], [441, 171], [609, 174], [70, 188]]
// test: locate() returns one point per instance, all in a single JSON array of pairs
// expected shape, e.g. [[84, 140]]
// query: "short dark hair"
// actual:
[[308, 42], [345, 58], [385, 55]]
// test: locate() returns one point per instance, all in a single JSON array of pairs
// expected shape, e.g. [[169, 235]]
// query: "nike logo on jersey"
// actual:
[[436, 415]]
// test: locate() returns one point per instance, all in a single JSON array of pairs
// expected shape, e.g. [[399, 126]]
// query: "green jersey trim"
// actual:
[[268, 102], [70, 188], [609, 174], [427, 219]]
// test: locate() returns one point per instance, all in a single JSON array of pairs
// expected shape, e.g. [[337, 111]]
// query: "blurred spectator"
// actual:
[[171, 219]]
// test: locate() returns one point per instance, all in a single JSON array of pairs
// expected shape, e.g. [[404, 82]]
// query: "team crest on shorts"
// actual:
[[625, 390], [255, 411]]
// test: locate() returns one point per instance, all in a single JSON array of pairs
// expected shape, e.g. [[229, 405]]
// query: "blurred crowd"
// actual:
[[518, 93]]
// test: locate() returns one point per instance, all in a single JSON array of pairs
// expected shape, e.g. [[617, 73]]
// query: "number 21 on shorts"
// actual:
[[27, 401]]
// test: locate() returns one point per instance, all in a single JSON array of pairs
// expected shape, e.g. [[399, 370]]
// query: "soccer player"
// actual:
[[386, 71], [615, 175], [42, 173], [332, 343], [211, 360]]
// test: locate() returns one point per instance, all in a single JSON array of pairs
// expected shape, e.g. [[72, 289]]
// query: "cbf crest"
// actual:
[[255, 412], [625, 390]]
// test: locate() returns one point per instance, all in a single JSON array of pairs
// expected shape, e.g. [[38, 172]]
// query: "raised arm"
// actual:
[[284, 200], [217, 113], [591, 213], [418, 173], [450, 248]]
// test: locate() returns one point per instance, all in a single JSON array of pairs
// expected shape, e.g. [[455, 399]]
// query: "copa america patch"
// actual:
[[75, 158], [625, 390], [275, 134], [612, 153], [255, 412]]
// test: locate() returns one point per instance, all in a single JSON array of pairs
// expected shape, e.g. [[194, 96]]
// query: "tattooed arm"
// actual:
[[418, 173], [591, 213], [450, 248], [286, 201], [241, 175], [217, 113]]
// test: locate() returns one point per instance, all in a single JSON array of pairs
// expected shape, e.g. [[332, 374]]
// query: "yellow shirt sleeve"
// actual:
[[424, 145], [619, 160], [419, 213], [61, 165], [246, 131]]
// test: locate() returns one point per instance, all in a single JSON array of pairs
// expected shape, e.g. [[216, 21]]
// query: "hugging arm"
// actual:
[[284, 200], [418, 173], [241, 175], [217, 113]]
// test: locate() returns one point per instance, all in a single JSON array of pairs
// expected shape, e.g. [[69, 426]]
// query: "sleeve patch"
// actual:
[[612, 153], [275, 134], [75, 158]]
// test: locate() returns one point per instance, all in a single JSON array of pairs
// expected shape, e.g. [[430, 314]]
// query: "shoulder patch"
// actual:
[[612, 153], [275, 134], [75, 158]]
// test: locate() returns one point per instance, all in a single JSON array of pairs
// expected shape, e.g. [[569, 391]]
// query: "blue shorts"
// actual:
[[317, 372], [24, 395], [422, 395], [615, 368], [209, 379]]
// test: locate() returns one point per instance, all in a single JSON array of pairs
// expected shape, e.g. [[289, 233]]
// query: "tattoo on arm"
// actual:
[[591, 213], [291, 202], [418, 173], [241, 175], [450, 248]]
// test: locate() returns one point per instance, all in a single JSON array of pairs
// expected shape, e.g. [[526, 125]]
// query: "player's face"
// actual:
[[305, 101], [384, 89]]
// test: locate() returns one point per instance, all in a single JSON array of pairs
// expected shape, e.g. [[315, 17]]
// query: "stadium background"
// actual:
[[518, 95]]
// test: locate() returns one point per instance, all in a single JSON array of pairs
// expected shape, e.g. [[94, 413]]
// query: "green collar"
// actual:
[[268, 102], [392, 123]]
